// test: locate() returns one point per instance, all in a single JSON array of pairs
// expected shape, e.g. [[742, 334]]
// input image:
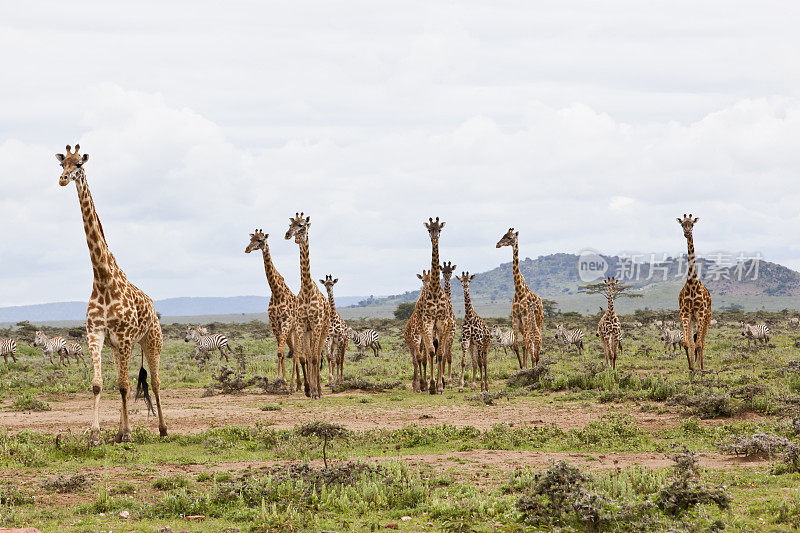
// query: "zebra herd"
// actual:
[[206, 343], [50, 347]]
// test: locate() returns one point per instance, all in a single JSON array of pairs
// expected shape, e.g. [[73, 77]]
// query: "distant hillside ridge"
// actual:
[[751, 284], [183, 307]]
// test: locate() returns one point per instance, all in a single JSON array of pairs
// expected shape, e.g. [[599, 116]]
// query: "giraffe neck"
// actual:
[[103, 262], [447, 287], [692, 273], [330, 299], [436, 284], [468, 309], [519, 281], [305, 265], [275, 280], [610, 303]]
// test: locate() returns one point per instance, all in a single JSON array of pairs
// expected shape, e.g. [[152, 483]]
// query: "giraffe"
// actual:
[[282, 309], [527, 311], [447, 271], [412, 333], [338, 335], [609, 329], [475, 338], [694, 302], [313, 311], [436, 323], [118, 312]]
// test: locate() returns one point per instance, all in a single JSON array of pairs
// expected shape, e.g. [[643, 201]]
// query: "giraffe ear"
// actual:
[[322, 281], [695, 220], [336, 281], [679, 221], [60, 158], [85, 158], [472, 277], [419, 276]]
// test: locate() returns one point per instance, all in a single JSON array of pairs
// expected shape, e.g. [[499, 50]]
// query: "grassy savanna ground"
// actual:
[[458, 462]]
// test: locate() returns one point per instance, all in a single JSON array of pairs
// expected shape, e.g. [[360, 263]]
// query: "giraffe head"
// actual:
[[687, 223], [329, 282], [298, 228], [509, 239], [40, 340], [434, 228], [465, 278], [425, 277], [258, 241], [71, 164], [611, 285], [447, 270]]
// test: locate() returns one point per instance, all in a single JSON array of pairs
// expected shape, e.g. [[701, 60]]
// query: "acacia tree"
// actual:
[[622, 290], [325, 431]]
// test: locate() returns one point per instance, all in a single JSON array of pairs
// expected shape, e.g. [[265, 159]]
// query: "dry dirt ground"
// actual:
[[186, 411]]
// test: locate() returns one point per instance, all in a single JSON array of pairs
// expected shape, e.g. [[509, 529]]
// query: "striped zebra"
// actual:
[[74, 349], [756, 332], [50, 347], [794, 321], [506, 339], [8, 347], [207, 343], [367, 339], [672, 338], [570, 337]]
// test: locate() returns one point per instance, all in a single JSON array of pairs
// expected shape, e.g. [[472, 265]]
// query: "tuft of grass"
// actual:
[[29, 402], [271, 407], [171, 482]]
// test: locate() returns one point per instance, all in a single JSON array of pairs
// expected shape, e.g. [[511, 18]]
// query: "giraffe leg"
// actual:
[[122, 358], [464, 350], [702, 330], [429, 353], [688, 338], [152, 345], [95, 339], [473, 355]]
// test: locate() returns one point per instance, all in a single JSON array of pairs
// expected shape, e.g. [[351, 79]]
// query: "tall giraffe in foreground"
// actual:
[[694, 302], [475, 338], [447, 271], [412, 334], [119, 312], [282, 309], [609, 329], [313, 311], [436, 322], [527, 311], [338, 335]]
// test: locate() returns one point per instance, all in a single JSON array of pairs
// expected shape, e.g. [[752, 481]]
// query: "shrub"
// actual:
[[686, 492], [324, 431], [552, 494], [755, 444]]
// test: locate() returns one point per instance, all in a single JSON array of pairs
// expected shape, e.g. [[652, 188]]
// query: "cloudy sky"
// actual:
[[582, 124]]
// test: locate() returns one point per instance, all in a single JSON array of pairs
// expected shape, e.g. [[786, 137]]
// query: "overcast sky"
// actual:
[[582, 124]]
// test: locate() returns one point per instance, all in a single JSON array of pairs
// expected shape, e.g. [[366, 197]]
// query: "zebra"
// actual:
[[570, 337], [367, 339], [8, 347], [757, 332], [207, 343], [713, 323], [506, 339], [673, 338], [74, 349], [794, 321], [50, 347]]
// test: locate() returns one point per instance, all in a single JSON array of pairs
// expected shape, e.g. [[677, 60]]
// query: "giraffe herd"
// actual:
[[121, 315]]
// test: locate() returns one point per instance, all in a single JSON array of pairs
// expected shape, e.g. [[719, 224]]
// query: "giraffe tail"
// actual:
[[142, 389]]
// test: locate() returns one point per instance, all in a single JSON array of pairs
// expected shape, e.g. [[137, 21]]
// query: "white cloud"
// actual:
[[580, 127]]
